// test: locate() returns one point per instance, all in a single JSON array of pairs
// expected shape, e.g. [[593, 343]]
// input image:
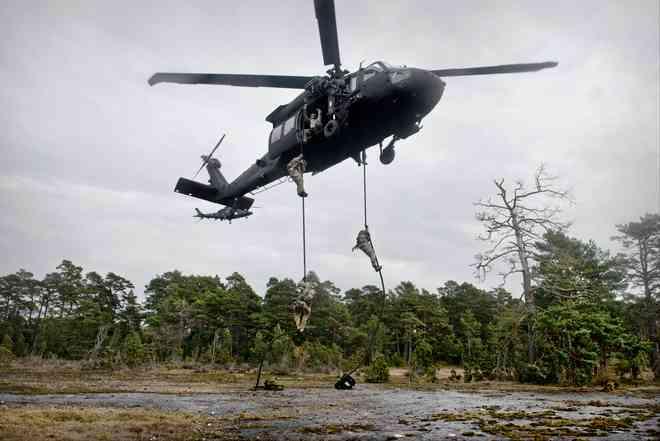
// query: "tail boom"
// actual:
[[211, 194]]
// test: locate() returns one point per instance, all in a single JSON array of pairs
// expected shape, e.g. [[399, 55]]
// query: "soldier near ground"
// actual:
[[363, 242], [302, 306]]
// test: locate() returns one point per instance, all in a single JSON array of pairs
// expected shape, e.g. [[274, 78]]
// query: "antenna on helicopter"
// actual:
[[206, 159]]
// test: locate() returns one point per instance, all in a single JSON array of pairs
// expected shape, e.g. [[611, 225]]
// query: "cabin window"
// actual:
[[368, 74], [289, 125], [353, 83], [276, 134]]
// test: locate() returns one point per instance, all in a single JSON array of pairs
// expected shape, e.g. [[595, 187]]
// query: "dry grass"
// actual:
[[399, 378], [36, 376], [75, 423]]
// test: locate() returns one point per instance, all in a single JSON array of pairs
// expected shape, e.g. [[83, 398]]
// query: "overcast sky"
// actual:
[[91, 153]]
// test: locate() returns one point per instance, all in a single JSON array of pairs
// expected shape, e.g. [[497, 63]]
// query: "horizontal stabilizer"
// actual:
[[208, 193]]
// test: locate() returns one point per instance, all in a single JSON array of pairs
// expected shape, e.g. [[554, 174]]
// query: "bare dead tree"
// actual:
[[514, 220], [101, 335]]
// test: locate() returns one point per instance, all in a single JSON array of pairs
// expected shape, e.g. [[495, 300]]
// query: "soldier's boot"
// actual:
[[374, 262], [368, 249], [300, 187]]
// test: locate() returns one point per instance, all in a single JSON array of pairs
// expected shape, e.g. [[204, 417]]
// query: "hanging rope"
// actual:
[[364, 186], [365, 244], [366, 225], [304, 232], [301, 307], [304, 241]]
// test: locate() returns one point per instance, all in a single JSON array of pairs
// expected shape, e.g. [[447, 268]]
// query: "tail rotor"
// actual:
[[206, 159]]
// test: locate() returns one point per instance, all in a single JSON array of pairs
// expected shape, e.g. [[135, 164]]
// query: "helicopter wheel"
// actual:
[[330, 128], [387, 155]]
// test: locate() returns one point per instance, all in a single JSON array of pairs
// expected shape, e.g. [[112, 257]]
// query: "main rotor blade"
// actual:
[[325, 15], [281, 81], [488, 70], [205, 161]]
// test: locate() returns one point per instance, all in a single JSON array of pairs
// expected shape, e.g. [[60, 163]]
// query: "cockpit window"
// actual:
[[399, 75], [368, 73], [379, 66]]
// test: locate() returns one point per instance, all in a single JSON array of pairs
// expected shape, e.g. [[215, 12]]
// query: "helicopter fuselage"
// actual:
[[373, 104]]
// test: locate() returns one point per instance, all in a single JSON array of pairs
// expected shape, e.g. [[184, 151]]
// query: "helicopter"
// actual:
[[227, 213], [335, 116]]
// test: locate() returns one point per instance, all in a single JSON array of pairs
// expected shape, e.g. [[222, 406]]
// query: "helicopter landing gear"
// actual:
[[387, 154]]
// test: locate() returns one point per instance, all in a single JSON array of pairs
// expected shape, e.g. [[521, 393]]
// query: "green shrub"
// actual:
[[20, 346], [424, 354], [321, 356], [6, 356], [7, 343], [133, 350], [397, 360], [467, 373], [431, 374], [379, 371]]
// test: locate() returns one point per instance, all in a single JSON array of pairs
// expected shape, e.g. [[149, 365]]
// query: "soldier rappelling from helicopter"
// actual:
[[302, 306], [363, 242], [296, 169]]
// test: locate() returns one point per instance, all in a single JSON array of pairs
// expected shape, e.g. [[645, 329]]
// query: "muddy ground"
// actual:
[[178, 404]]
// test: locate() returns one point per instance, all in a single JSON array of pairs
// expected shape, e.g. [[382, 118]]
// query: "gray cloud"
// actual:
[[91, 152]]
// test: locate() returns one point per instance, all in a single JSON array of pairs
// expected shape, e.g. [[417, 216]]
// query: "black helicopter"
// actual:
[[335, 117]]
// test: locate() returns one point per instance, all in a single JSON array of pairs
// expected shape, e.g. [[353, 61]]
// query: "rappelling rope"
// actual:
[[304, 232], [364, 186], [371, 338], [304, 241], [366, 225]]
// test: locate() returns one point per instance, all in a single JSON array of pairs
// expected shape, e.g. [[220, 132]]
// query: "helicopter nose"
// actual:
[[423, 90]]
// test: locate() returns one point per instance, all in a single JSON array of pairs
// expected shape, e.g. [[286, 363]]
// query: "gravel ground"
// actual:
[[381, 412]]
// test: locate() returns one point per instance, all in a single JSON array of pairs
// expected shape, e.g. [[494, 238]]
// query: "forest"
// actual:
[[594, 315]]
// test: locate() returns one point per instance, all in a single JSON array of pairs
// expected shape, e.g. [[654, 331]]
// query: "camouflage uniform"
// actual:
[[296, 168], [364, 243], [302, 306]]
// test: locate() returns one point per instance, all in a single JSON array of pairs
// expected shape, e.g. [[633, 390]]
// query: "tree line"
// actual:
[[583, 312], [583, 321]]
